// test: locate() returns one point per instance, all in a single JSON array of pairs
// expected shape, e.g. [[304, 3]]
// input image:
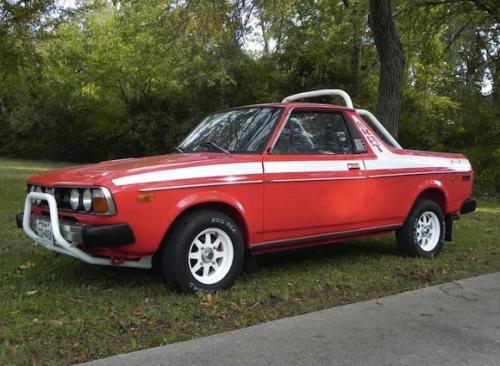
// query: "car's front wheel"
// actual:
[[422, 234], [203, 251]]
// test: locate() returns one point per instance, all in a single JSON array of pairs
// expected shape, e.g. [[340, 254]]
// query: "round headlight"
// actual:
[[39, 190], [74, 199], [32, 189], [87, 200]]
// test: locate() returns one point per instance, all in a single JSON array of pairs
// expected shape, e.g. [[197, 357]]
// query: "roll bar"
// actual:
[[379, 127], [321, 93], [348, 103]]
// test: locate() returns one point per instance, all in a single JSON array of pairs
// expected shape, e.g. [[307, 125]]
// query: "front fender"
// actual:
[[191, 200], [208, 197]]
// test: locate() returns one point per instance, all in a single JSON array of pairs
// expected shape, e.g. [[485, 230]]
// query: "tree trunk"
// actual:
[[355, 66], [496, 81], [392, 61]]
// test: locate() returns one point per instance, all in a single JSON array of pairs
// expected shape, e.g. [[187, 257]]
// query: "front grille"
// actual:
[[62, 197], [61, 194]]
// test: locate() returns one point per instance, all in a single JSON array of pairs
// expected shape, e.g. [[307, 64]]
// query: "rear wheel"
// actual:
[[422, 234], [204, 251]]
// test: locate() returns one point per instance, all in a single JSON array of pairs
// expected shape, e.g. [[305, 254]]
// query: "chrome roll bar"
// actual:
[[379, 127], [321, 93]]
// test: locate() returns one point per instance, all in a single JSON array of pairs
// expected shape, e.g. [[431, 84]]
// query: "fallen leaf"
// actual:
[[209, 298], [58, 323], [26, 265], [31, 293], [257, 303]]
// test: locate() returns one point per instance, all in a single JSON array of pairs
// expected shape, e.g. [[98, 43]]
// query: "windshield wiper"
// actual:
[[213, 144], [179, 149]]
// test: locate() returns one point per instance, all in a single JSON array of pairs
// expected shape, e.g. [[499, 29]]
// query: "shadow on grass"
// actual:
[[333, 253], [75, 273], [105, 277]]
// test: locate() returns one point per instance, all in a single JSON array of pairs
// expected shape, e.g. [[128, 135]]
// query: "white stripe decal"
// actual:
[[205, 171], [330, 179], [395, 161], [232, 170], [201, 185], [310, 166], [386, 159], [383, 161]]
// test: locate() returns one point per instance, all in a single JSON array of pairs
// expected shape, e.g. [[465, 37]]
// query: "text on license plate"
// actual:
[[44, 231]]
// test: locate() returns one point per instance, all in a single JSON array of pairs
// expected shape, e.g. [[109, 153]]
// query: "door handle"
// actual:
[[353, 166]]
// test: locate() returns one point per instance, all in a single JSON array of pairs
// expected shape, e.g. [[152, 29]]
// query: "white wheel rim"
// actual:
[[428, 231], [210, 256]]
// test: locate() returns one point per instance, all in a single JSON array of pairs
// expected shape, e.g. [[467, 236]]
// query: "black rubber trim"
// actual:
[[449, 228], [107, 236], [287, 244], [469, 205], [19, 220]]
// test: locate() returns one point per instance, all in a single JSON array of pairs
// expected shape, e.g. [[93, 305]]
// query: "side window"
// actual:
[[314, 133]]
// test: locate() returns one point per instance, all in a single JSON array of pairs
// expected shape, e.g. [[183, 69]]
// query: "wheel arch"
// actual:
[[432, 190], [227, 205]]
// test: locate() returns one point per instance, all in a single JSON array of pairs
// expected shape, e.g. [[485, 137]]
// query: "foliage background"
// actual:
[[111, 79]]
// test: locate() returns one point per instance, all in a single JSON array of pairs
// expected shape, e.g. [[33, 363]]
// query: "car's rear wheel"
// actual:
[[422, 234], [203, 251]]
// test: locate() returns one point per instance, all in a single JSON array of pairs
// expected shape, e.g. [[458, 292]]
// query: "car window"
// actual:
[[314, 133], [244, 130]]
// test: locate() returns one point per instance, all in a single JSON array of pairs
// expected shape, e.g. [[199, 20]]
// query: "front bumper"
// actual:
[[68, 236], [91, 236]]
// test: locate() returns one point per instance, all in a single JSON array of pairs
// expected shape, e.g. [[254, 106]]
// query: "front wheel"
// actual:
[[204, 251], [422, 234]]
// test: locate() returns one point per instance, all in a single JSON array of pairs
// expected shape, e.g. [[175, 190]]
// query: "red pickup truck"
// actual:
[[247, 181]]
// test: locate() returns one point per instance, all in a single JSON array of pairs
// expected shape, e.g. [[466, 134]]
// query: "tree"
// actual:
[[117, 78], [392, 62]]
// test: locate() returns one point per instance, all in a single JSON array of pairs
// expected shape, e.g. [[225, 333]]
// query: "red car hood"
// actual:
[[103, 173]]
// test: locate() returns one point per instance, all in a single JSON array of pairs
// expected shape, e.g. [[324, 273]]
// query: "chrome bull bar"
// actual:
[[61, 245]]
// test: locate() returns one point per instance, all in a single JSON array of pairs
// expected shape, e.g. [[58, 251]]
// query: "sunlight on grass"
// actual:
[[491, 210], [18, 164], [35, 168]]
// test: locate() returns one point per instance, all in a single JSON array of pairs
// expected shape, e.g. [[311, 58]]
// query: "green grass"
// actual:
[[57, 310]]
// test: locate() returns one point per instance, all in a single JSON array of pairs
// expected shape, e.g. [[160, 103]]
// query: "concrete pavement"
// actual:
[[456, 323]]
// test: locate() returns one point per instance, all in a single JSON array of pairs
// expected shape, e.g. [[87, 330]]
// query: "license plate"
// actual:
[[44, 231]]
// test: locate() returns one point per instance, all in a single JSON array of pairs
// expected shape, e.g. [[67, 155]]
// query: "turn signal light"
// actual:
[[145, 197], [99, 202]]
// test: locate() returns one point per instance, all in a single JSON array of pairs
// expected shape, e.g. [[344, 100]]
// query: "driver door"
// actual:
[[314, 182]]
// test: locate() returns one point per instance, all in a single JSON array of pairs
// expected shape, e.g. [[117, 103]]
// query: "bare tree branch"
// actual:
[[479, 5], [456, 35]]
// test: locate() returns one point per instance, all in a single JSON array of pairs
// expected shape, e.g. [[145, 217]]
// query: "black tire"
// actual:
[[175, 252], [410, 234]]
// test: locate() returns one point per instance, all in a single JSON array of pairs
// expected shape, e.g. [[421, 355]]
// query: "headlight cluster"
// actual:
[[95, 200], [37, 189], [89, 199], [78, 200]]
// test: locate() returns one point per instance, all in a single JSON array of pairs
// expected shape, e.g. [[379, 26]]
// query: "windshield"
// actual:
[[244, 130]]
